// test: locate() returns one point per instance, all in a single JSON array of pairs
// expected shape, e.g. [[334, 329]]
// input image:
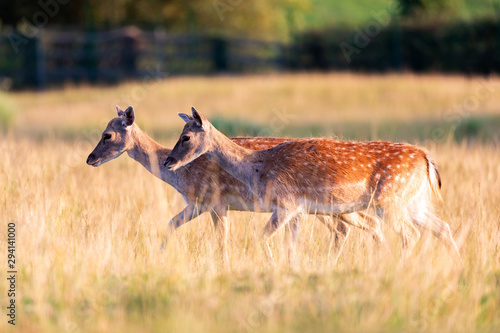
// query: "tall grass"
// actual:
[[304, 99], [89, 257], [88, 240]]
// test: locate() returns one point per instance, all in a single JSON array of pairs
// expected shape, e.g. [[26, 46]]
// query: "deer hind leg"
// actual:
[[366, 222], [339, 231], [398, 218], [440, 229], [422, 215], [221, 226], [370, 224]]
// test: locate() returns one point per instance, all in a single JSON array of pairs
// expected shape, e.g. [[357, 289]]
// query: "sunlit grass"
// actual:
[[88, 239], [277, 101], [89, 257]]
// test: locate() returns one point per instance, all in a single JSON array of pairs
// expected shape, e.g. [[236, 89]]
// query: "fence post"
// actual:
[[159, 37], [40, 61], [496, 9], [219, 54], [91, 62], [396, 45], [33, 64]]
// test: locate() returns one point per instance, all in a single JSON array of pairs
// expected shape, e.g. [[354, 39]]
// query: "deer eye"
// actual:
[[105, 137], [185, 138]]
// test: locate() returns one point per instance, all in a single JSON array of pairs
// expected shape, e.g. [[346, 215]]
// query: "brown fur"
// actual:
[[325, 176], [204, 185]]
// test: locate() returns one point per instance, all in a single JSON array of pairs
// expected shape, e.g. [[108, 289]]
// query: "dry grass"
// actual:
[[88, 238], [306, 98]]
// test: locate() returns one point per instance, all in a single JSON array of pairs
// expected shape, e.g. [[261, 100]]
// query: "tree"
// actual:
[[252, 18]]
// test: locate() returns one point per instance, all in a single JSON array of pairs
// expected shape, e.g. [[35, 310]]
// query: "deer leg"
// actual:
[[440, 229], [411, 234], [367, 222], [272, 224], [279, 218], [360, 220], [399, 220], [291, 235], [186, 215], [222, 230], [338, 234]]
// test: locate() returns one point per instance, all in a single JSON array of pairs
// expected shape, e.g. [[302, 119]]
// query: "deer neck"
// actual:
[[149, 153], [236, 160]]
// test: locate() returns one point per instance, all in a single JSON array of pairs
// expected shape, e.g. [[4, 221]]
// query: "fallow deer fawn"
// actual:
[[204, 185], [326, 177]]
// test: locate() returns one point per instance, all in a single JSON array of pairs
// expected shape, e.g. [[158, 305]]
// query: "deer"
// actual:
[[205, 186], [326, 176]]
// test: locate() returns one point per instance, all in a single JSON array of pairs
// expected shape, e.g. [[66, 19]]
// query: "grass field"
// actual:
[[88, 239]]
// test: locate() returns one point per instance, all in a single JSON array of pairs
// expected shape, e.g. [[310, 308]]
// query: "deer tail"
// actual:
[[434, 177]]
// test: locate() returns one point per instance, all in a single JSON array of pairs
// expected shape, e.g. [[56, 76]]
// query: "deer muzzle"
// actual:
[[92, 160], [170, 163]]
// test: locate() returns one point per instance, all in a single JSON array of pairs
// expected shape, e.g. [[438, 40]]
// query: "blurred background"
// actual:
[[393, 69], [53, 42]]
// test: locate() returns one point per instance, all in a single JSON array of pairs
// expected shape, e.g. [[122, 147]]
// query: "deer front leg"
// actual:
[[280, 217], [222, 230], [186, 215], [291, 235]]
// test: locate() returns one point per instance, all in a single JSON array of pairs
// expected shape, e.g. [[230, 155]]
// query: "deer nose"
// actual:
[[90, 158], [169, 161]]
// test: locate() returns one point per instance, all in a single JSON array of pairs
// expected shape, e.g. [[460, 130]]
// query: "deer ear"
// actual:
[[129, 116], [198, 117], [119, 111], [185, 117]]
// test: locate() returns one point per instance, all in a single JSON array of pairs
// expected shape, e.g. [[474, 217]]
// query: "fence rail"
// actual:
[[55, 56]]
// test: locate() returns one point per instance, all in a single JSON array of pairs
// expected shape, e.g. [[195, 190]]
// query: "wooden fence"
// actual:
[[54, 57]]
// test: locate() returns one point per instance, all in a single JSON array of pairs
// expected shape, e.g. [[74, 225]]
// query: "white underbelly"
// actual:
[[332, 208]]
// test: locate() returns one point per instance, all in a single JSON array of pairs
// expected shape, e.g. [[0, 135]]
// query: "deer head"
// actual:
[[193, 142], [116, 138]]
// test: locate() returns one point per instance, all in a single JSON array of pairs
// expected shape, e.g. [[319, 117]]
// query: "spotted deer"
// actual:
[[326, 177], [204, 185]]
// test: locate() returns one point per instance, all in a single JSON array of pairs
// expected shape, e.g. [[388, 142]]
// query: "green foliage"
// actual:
[[256, 18], [271, 19], [428, 8], [324, 13]]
